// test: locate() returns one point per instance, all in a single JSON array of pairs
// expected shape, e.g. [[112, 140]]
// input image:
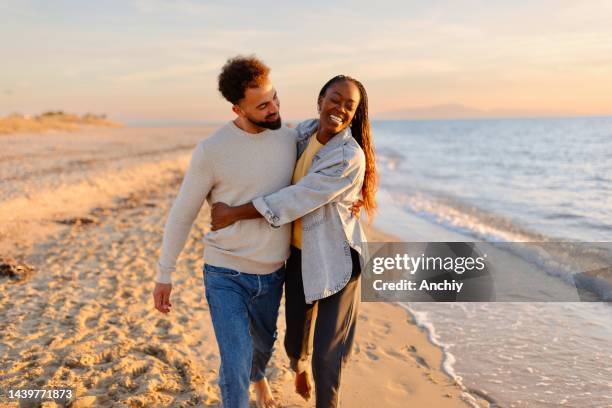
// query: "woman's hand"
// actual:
[[356, 208], [222, 215]]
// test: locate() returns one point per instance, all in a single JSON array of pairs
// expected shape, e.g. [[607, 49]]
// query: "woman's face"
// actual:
[[338, 106]]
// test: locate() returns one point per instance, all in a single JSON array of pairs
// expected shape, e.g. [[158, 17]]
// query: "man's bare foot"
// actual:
[[303, 386], [264, 394]]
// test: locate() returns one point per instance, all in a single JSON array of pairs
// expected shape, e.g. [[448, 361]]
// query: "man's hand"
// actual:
[[356, 208], [222, 215], [161, 296]]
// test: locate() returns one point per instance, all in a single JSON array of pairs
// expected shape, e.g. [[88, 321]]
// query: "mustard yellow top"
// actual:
[[301, 168]]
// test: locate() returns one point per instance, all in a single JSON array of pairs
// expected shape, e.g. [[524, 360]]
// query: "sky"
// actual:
[[159, 60]]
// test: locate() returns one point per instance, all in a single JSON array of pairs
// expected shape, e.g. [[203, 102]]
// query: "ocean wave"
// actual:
[[583, 265], [421, 319], [563, 216], [465, 218], [389, 158]]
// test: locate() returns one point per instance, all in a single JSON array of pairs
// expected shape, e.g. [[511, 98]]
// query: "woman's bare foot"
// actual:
[[264, 394], [303, 386]]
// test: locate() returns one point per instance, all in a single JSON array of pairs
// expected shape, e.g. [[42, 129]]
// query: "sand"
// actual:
[[84, 318]]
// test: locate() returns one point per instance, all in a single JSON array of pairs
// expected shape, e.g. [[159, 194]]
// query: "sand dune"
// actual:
[[53, 121]]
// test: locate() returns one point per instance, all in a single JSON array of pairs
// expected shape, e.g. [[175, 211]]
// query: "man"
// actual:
[[249, 157]]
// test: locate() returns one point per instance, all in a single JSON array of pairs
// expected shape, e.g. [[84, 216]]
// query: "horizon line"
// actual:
[[171, 122]]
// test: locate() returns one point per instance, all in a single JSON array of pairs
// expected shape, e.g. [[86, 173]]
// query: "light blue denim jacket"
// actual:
[[322, 198]]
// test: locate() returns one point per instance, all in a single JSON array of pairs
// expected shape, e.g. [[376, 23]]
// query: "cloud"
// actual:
[[193, 8]]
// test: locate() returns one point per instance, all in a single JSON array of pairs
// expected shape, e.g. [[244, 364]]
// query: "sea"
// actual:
[[508, 180]]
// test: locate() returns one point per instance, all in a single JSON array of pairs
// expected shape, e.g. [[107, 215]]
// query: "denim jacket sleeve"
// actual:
[[330, 176]]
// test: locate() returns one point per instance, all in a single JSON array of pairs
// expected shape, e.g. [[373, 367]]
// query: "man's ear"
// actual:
[[236, 109]]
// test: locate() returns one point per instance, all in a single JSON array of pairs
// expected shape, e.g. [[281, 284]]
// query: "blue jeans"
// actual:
[[244, 309]]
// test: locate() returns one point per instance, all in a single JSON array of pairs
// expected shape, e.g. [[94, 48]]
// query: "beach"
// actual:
[[486, 129], [86, 210]]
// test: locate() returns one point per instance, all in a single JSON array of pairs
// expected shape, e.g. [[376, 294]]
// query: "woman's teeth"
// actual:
[[336, 119]]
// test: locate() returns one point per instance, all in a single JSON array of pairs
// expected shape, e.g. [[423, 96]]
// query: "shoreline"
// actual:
[[97, 313], [472, 396]]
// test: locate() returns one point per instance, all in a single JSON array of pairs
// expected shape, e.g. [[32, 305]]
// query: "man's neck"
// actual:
[[247, 126]]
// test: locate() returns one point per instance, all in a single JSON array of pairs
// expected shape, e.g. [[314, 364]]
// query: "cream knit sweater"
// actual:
[[234, 167]]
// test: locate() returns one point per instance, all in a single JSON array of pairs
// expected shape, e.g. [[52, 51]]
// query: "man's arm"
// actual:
[[196, 185], [223, 215]]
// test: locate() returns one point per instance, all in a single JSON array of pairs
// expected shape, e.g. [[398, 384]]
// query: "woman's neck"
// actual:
[[324, 136]]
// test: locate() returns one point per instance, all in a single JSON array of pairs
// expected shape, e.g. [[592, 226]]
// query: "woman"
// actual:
[[336, 167]]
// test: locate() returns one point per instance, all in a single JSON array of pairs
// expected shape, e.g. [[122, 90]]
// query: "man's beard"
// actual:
[[267, 124]]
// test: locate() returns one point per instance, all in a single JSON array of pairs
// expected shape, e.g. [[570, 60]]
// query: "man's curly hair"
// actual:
[[240, 73]]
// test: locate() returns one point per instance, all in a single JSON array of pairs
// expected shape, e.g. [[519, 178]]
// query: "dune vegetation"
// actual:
[[52, 120]]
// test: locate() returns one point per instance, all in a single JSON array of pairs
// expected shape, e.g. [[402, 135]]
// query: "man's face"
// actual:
[[260, 106]]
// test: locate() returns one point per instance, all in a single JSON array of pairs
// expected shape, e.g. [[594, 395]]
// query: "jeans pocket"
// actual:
[[280, 274], [220, 271]]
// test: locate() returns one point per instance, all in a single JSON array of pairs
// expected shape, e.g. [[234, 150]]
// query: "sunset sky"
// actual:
[[145, 60]]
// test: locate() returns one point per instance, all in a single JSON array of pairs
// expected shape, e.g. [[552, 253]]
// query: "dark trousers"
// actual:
[[327, 327]]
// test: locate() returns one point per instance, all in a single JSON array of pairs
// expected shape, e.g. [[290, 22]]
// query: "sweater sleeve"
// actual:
[[196, 186]]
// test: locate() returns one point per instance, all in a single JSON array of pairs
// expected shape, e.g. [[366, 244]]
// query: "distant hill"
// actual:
[[55, 120]]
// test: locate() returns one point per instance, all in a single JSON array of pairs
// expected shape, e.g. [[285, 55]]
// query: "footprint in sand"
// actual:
[[395, 354], [138, 369], [412, 351], [92, 322], [164, 326], [77, 221], [126, 294], [157, 352], [371, 351], [400, 388], [382, 328]]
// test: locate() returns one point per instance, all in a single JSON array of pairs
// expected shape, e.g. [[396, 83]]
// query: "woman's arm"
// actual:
[[223, 215], [332, 175]]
